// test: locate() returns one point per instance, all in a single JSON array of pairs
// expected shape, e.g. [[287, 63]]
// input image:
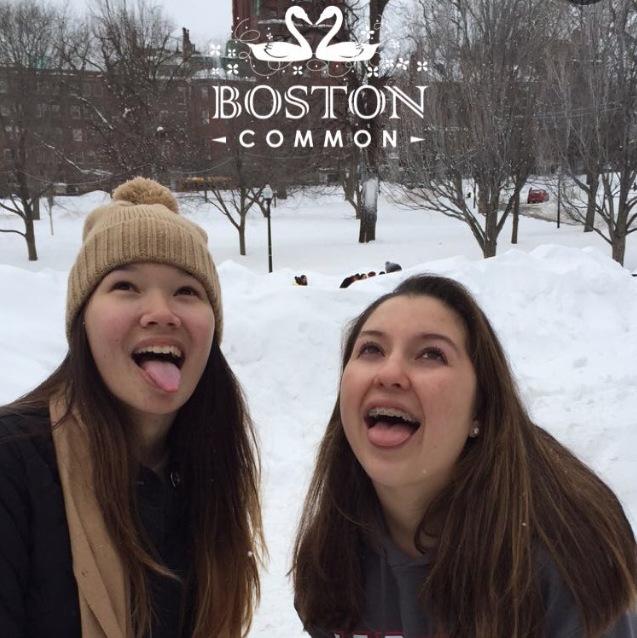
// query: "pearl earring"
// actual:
[[475, 431]]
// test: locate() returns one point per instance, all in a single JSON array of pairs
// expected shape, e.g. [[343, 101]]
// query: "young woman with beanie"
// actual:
[[129, 479], [437, 508]]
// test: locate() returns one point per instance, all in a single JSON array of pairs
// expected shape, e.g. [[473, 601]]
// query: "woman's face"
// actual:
[[408, 394], [150, 329]]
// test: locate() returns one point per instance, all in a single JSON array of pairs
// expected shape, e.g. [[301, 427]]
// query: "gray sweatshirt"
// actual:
[[392, 610]]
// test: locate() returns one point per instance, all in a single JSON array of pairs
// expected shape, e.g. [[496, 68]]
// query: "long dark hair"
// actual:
[[213, 441], [526, 494]]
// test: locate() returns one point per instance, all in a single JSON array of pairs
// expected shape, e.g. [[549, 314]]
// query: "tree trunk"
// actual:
[[592, 180], [369, 211], [30, 239], [491, 229], [372, 155], [516, 217], [619, 248], [490, 247], [35, 208], [618, 234], [242, 237]]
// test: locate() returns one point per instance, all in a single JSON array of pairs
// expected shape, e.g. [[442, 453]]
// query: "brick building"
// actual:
[[66, 143]]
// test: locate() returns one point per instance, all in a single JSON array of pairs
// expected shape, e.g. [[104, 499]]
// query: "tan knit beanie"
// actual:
[[141, 224]]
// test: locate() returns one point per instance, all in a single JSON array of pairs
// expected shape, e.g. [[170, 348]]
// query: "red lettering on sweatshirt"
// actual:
[[377, 634]]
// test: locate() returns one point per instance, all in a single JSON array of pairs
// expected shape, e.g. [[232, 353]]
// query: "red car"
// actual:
[[537, 196]]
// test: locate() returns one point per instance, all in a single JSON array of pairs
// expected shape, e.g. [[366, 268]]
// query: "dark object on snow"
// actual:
[[301, 280], [392, 267], [348, 281], [371, 273]]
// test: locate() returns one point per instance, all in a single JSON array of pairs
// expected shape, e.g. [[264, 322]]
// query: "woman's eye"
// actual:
[[188, 291], [433, 354], [122, 285], [369, 349]]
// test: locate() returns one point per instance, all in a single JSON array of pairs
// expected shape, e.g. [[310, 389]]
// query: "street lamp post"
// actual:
[[267, 195]]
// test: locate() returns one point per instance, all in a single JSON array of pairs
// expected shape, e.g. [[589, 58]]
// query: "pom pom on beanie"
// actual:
[[145, 191]]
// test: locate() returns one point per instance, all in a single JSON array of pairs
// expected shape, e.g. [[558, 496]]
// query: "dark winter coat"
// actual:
[[392, 584], [38, 591]]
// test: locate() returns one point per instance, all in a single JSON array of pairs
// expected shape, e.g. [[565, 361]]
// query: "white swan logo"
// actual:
[[288, 52]]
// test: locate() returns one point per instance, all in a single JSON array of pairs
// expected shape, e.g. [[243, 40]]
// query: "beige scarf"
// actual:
[[101, 581]]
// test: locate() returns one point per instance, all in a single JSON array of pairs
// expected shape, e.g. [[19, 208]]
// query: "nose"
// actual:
[[392, 373], [158, 311]]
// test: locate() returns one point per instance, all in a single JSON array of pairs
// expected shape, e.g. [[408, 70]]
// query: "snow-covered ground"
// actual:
[[565, 312]]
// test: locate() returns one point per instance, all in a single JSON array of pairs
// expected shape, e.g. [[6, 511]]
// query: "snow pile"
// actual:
[[566, 316]]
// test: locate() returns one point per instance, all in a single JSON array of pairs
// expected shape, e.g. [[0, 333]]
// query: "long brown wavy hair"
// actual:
[[525, 493], [213, 441]]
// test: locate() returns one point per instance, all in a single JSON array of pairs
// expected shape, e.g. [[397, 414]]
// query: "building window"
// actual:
[[5, 111], [76, 114], [4, 87], [205, 117], [181, 94], [8, 154], [97, 90], [55, 109], [77, 135], [204, 92]]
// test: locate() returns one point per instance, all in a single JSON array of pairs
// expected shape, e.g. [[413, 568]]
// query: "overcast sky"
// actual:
[[212, 19], [206, 19]]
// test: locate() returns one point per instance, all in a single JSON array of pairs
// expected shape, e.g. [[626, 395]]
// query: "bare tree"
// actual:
[[141, 116], [484, 64], [595, 91], [35, 41], [364, 182]]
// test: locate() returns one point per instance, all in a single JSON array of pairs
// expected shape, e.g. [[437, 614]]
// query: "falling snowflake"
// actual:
[[233, 69], [370, 34], [402, 64], [423, 66], [269, 36], [232, 53], [215, 72], [372, 71], [215, 50], [297, 70]]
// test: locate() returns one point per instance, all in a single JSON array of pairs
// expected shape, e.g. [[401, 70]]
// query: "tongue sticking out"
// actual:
[[164, 374], [389, 435]]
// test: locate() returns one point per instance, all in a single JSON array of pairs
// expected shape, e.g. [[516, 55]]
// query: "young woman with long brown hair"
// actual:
[[438, 508], [129, 479]]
